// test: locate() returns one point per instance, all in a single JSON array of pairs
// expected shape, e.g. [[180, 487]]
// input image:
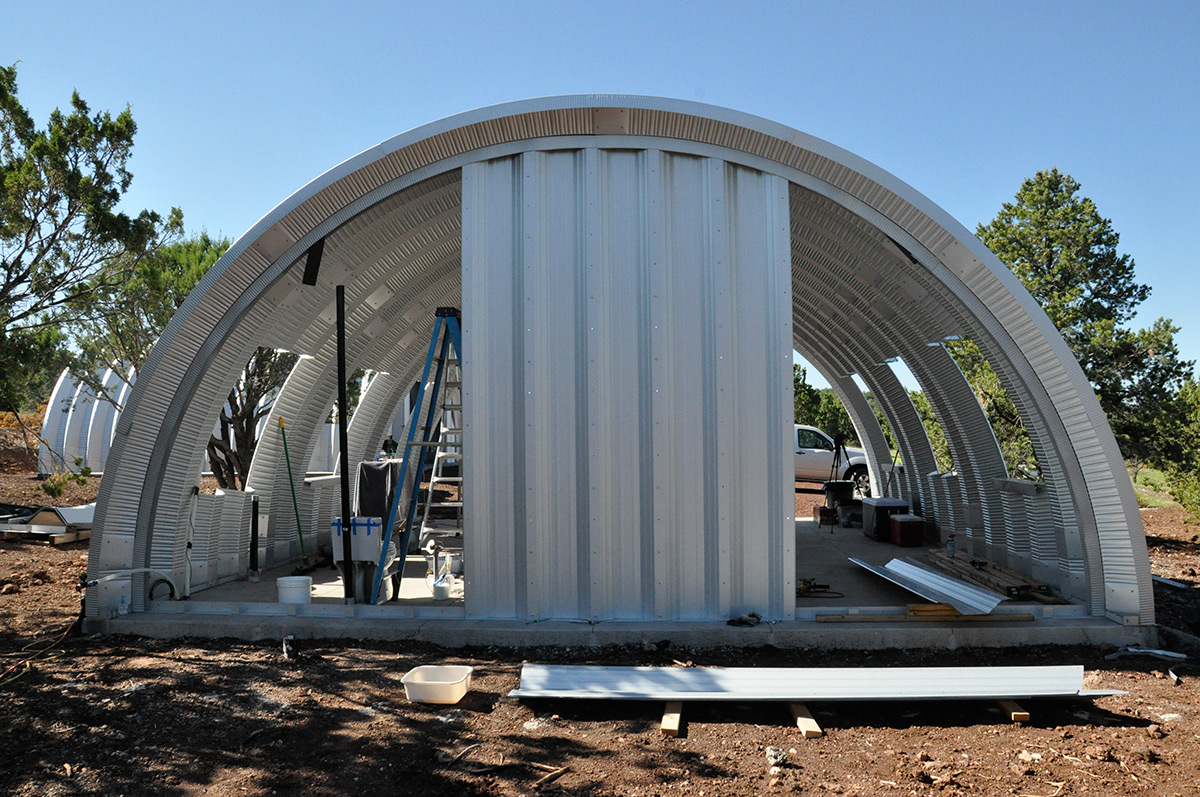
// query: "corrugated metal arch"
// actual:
[[920, 276]]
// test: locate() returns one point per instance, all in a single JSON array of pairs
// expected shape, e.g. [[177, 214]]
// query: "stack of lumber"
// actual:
[[993, 576]]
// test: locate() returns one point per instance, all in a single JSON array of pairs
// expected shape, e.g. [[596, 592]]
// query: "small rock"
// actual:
[[1029, 757], [1155, 732], [534, 724], [773, 783], [1147, 754], [649, 647], [9, 589], [924, 756], [1024, 770], [776, 756], [1099, 752], [774, 771]]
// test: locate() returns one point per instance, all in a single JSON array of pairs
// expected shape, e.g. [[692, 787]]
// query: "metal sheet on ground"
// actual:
[[801, 684]]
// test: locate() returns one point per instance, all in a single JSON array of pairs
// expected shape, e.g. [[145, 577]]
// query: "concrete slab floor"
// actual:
[[822, 556]]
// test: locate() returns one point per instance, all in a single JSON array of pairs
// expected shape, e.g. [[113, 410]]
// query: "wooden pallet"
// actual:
[[993, 576]]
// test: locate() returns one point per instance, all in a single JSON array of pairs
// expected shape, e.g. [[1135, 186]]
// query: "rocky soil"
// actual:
[[86, 715]]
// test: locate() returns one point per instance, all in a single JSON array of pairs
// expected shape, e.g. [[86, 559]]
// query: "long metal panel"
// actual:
[[493, 389], [619, 427], [551, 225], [936, 587], [796, 684]]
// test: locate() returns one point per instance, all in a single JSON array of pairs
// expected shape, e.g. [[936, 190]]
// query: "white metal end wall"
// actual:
[[628, 339]]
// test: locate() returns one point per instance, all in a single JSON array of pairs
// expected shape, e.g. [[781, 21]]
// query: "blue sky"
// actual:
[[239, 104]]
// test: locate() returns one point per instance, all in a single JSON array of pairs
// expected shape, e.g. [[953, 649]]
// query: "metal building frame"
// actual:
[[877, 272]]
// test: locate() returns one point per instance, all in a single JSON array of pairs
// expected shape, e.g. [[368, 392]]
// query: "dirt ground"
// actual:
[[118, 715]]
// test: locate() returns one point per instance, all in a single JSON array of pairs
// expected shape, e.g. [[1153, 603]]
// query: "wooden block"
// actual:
[[72, 536], [1014, 711], [672, 715], [808, 726]]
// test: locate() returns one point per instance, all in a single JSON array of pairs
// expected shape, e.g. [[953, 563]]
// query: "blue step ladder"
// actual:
[[446, 339]]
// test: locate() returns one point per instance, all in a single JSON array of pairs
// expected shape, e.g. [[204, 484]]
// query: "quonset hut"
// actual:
[[634, 274]]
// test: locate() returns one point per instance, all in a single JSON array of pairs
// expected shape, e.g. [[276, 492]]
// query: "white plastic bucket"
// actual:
[[442, 588], [294, 589]]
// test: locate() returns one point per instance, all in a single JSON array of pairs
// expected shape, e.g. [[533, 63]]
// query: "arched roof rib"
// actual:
[[919, 276]]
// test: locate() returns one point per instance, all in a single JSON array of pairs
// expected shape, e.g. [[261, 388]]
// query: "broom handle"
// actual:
[[292, 483]]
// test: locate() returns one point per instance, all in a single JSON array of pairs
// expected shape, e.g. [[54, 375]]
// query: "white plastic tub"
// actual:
[[294, 589], [437, 683]]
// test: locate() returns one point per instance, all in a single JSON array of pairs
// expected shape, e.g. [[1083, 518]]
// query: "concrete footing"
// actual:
[[365, 622]]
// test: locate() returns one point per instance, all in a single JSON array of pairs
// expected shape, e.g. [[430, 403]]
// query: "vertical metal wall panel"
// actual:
[[234, 538], [651, 298], [200, 524], [493, 391], [552, 207], [618, 421]]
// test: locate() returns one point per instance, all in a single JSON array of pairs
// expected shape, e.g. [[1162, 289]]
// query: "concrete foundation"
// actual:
[[250, 611]]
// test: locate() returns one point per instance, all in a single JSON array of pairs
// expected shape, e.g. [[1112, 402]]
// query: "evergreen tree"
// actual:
[[1066, 254]]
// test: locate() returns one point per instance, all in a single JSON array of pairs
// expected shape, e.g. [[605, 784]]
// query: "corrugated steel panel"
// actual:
[[54, 423], [104, 415], [615, 309], [797, 684], [935, 586], [233, 542]]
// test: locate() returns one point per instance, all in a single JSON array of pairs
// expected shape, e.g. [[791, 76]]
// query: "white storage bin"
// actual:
[[437, 683]]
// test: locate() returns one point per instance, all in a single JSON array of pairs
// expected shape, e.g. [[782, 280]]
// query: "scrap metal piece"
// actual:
[[937, 587]]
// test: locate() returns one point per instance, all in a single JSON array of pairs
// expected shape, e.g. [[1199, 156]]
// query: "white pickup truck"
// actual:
[[815, 455]]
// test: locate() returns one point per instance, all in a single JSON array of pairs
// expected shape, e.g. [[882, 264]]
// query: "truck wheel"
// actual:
[[862, 481]]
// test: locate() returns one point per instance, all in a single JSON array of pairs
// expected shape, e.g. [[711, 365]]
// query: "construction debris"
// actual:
[[992, 576], [939, 588], [1136, 651]]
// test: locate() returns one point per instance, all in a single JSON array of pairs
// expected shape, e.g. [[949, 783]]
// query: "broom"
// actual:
[[306, 566]]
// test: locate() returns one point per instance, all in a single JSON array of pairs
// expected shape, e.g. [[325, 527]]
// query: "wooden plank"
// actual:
[[70, 536], [924, 618], [995, 576], [1014, 711], [671, 718], [933, 609], [808, 726]]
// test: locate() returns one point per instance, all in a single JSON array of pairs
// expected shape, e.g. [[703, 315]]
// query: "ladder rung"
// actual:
[[452, 431], [449, 383], [446, 480], [452, 406], [446, 503], [419, 443]]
